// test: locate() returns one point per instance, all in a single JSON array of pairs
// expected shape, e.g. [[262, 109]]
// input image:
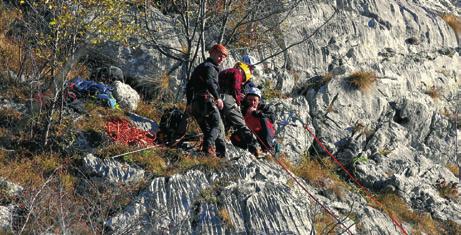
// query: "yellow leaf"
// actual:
[[53, 21], [22, 2]]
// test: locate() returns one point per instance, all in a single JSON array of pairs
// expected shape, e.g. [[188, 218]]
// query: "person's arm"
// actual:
[[237, 86], [211, 76]]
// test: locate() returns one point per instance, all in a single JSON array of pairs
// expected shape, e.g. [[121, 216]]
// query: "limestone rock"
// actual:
[[6, 214], [126, 96], [110, 170]]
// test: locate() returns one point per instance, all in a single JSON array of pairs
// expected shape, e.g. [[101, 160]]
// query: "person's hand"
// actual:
[[219, 104], [250, 110]]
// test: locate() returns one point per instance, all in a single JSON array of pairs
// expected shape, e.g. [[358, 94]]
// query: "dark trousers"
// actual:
[[209, 120], [232, 117]]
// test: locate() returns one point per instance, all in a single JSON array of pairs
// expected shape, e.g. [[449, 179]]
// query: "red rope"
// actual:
[[356, 181], [122, 131], [312, 196], [271, 151]]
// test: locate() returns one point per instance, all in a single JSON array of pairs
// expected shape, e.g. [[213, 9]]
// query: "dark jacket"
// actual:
[[203, 81]]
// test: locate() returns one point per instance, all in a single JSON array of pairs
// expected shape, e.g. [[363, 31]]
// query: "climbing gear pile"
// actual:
[[122, 131]]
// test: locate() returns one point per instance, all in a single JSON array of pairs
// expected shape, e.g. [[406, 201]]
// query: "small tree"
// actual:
[[240, 24], [60, 32]]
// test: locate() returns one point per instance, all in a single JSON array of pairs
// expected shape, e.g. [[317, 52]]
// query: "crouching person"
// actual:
[[204, 102], [260, 119], [230, 84]]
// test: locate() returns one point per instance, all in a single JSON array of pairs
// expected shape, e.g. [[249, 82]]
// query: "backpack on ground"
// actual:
[[173, 126]]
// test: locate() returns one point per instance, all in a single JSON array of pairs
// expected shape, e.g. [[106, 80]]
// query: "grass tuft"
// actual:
[[396, 206], [269, 92], [448, 190], [223, 214], [454, 168], [434, 92], [319, 173], [362, 80], [453, 21], [324, 223]]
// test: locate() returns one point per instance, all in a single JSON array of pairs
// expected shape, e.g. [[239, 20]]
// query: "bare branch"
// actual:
[[301, 41]]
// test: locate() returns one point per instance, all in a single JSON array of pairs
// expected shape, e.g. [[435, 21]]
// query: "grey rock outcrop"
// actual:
[[6, 214], [127, 97], [8, 189], [247, 196], [111, 171], [11, 189], [396, 137], [292, 115]]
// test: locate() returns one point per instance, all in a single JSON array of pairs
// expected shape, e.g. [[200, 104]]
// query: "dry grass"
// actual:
[[29, 171], [454, 168], [148, 110], [113, 149], [269, 92], [327, 77], [97, 117], [434, 92], [223, 214], [422, 222], [166, 162], [9, 117], [9, 50], [362, 80], [151, 160], [448, 190], [453, 21], [187, 162], [324, 223], [319, 173], [79, 70]]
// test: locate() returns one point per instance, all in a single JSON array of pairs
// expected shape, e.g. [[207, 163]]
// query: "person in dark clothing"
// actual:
[[259, 118], [204, 101], [230, 84]]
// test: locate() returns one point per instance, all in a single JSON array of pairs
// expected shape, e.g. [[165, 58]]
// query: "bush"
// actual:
[[362, 80]]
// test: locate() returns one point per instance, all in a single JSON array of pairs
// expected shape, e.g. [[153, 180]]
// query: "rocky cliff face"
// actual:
[[394, 136]]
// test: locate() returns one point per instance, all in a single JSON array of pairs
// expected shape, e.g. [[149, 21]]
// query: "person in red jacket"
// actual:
[[230, 84], [259, 118]]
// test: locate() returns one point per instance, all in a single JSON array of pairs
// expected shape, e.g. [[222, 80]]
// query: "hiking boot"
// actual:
[[220, 155], [253, 150], [210, 152]]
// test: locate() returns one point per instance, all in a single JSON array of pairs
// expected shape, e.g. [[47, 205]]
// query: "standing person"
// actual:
[[230, 84], [204, 102], [259, 118]]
